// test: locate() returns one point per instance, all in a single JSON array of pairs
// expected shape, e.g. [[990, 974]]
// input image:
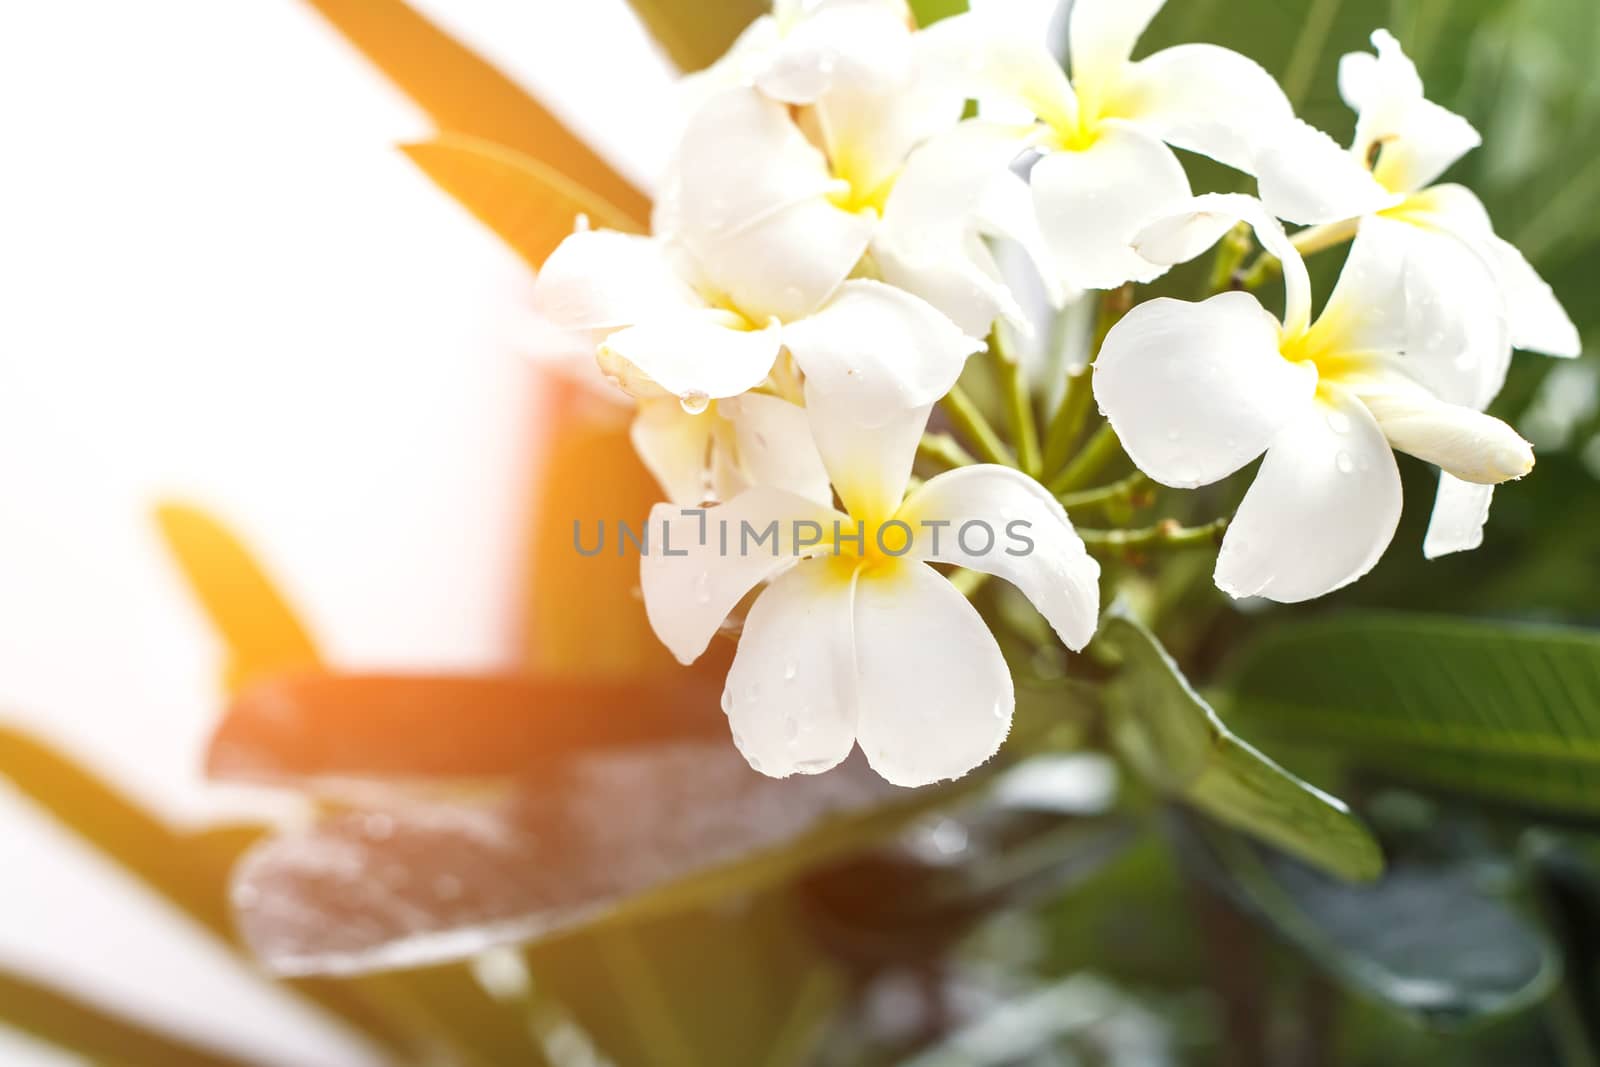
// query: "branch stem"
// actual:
[[971, 424], [1018, 402], [1102, 448], [1167, 534]]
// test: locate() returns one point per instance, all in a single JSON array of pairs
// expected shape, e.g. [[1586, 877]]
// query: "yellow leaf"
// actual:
[[528, 204], [696, 32], [262, 634], [460, 91]]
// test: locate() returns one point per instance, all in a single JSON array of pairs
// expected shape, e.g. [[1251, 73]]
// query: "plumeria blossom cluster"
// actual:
[[825, 258]]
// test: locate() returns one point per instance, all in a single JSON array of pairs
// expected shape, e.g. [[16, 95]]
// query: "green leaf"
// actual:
[[530, 206], [927, 12], [1504, 711], [1174, 739], [1431, 939], [93, 1032], [601, 835], [695, 33], [297, 730], [464, 94]]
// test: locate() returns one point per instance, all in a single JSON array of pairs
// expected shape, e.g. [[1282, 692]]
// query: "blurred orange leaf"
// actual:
[[529, 205], [460, 91], [263, 636]]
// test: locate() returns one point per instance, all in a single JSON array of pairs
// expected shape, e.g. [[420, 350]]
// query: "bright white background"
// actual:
[[218, 280]]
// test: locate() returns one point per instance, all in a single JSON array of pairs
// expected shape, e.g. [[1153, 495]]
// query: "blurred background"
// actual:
[[223, 285]]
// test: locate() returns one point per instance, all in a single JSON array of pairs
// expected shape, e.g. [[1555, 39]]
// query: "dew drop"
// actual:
[[790, 669], [695, 402], [1338, 422], [1345, 464]]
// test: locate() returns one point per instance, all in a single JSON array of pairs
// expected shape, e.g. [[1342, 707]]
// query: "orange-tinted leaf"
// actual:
[[461, 92], [401, 727], [585, 615], [696, 32], [529, 205], [263, 636]]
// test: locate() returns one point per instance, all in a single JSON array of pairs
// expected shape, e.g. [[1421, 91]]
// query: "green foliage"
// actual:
[[1173, 737], [1499, 711], [696, 32]]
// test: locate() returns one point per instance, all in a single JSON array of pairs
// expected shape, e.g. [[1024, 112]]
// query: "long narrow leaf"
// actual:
[[696, 32], [529, 205], [462, 93]]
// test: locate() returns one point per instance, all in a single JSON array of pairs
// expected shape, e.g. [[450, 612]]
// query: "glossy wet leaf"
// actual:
[[605, 834], [1173, 737], [1498, 710], [1434, 938], [299, 729], [262, 635], [695, 33], [96, 1033], [462, 93], [530, 206]]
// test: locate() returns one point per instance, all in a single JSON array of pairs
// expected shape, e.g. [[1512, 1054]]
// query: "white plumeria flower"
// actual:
[[1107, 169], [737, 443], [806, 48], [1197, 391], [664, 326], [863, 641]]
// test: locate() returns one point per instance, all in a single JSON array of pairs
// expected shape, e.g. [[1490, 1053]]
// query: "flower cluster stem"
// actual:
[[971, 424], [1118, 494], [1067, 422], [1167, 534], [944, 450], [1019, 404], [1101, 449], [1307, 242]]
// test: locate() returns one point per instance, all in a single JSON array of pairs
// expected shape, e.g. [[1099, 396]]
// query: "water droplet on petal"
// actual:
[[1345, 464], [695, 402], [1338, 422]]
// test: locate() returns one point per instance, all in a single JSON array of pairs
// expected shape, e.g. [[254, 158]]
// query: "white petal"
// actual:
[[869, 464], [1538, 321], [790, 696], [1189, 229], [1417, 140], [1020, 533], [874, 347], [690, 582], [675, 447], [1206, 99], [751, 203], [929, 242], [773, 439], [934, 692], [1323, 508], [1459, 513], [1101, 35], [604, 280], [1304, 176], [1092, 203], [848, 45], [694, 355], [1427, 297], [1196, 391], [1474, 447], [994, 61], [750, 54]]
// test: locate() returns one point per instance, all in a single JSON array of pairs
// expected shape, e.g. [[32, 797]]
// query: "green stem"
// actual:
[[1119, 492], [1231, 250], [1101, 449], [1019, 404], [1067, 423], [971, 424], [1167, 534], [944, 450]]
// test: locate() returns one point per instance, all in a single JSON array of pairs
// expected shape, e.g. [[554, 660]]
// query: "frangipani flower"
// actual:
[[664, 328], [1408, 141], [856, 639], [1107, 168], [736, 443], [1197, 391]]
